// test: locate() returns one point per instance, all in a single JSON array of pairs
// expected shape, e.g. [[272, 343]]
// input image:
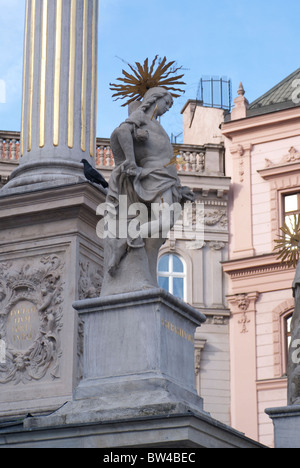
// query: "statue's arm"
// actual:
[[125, 139]]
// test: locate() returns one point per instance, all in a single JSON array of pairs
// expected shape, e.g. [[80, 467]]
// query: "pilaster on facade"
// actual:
[[243, 362], [241, 166]]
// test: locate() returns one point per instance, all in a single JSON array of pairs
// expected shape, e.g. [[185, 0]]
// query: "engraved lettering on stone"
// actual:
[[177, 330], [22, 325]]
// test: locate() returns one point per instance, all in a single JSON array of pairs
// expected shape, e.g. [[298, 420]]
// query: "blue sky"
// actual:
[[256, 42]]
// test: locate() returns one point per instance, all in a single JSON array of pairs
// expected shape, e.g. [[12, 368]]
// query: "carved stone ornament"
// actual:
[[244, 321], [243, 303], [216, 245], [242, 152], [199, 346], [216, 217], [31, 319], [90, 278], [292, 157]]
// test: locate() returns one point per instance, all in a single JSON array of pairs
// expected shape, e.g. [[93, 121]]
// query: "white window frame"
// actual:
[[170, 274]]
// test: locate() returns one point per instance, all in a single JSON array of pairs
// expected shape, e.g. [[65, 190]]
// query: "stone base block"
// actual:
[[137, 336], [137, 388], [138, 357], [286, 422], [174, 428]]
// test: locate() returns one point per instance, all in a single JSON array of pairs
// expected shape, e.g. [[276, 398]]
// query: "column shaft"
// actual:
[[59, 88]]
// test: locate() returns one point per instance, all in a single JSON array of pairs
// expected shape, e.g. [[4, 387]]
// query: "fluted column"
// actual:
[[59, 89]]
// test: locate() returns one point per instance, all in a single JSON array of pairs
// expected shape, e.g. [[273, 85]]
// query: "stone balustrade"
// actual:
[[194, 157], [9, 147]]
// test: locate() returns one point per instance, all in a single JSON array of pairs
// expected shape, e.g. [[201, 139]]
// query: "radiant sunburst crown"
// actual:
[[134, 86], [288, 243]]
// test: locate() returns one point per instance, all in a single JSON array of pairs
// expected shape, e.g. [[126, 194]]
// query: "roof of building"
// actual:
[[284, 95]]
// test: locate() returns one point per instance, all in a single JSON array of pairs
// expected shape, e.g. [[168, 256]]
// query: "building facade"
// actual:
[[262, 142]]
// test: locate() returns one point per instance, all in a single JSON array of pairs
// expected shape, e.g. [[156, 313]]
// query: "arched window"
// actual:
[[282, 320], [171, 273], [286, 322]]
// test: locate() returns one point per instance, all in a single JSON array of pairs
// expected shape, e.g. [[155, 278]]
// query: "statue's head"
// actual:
[[159, 96]]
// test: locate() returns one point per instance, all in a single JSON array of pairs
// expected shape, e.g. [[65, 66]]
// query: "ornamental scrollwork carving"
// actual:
[[216, 245], [216, 217], [90, 278], [292, 156], [31, 319]]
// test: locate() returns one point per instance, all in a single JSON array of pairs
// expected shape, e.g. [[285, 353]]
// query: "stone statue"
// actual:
[[293, 371], [146, 175]]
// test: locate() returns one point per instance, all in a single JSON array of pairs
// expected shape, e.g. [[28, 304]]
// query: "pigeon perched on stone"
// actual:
[[93, 175]]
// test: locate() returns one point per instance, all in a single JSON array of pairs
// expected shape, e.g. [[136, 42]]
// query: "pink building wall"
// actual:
[[259, 162]]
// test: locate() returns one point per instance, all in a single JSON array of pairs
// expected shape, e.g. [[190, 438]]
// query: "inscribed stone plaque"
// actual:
[[22, 325], [2, 352]]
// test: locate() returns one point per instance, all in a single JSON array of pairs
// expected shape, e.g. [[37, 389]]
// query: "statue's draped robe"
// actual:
[[149, 183]]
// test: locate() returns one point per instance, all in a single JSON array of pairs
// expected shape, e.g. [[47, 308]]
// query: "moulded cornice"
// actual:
[[65, 195], [272, 384], [253, 265], [262, 273], [277, 120], [76, 201], [280, 170], [290, 164]]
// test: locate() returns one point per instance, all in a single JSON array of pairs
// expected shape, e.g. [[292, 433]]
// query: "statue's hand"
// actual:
[[129, 168], [187, 194]]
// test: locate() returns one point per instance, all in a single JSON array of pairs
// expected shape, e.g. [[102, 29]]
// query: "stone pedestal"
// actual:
[[138, 358], [137, 387], [50, 256], [286, 422], [141, 346]]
